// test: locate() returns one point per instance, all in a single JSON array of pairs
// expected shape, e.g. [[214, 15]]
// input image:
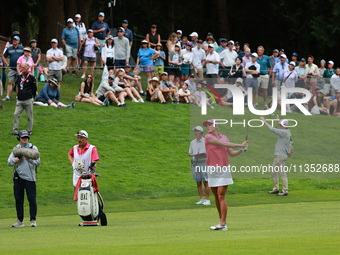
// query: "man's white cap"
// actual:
[[54, 40], [292, 63], [239, 80], [232, 42], [78, 16], [70, 20], [331, 62], [82, 133], [179, 31], [198, 128], [194, 34], [211, 45], [254, 55], [284, 122], [283, 56]]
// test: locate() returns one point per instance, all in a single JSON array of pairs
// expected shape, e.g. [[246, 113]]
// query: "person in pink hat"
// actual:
[[218, 147]]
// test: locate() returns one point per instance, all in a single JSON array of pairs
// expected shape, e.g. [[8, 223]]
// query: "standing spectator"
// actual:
[[295, 58], [327, 75], [227, 57], [159, 61], [127, 32], [302, 73], [26, 59], [108, 52], [238, 50], [218, 147], [282, 149], [89, 52], [187, 61], [289, 76], [278, 71], [184, 42], [179, 35], [54, 56], [198, 59], [335, 82], [322, 69], [252, 70], [83, 34], [175, 60], [153, 93], [212, 60], [223, 45], [246, 58], [24, 178], [211, 40], [153, 37], [100, 31], [36, 56], [312, 73], [14, 52], [26, 91], [273, 58], [144, 61], [194, 39], [172, 40], [281, 52], [237, 71], [50, 95], [71, 40], [198, 156], [265, 72], [122, 49]]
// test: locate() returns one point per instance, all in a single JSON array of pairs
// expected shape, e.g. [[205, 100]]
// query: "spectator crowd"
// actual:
[[172, 69]]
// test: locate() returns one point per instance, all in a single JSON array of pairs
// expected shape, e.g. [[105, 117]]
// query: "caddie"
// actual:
[[25, 157], [83, 152]]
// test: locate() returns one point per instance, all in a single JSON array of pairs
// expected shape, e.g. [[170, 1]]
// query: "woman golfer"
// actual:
[[219, 175]]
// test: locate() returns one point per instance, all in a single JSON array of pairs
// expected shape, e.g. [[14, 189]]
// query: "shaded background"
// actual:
[[307, 27]]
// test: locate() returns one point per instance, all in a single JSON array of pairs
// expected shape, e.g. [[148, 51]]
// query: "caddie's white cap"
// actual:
[[284, 122], [198, 128], [82, 133]]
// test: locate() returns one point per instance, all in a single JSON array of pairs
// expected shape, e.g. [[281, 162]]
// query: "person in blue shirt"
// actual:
[[101, 30], [50, 95], [144, 61], [14, 52], [71, 40], [265, 72], [159, 61], [278, 71]]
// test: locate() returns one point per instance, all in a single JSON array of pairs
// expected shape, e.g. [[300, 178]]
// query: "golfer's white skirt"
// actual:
[[219, 176]]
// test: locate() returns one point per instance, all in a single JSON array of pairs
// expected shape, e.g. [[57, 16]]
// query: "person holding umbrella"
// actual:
[[218, 147]]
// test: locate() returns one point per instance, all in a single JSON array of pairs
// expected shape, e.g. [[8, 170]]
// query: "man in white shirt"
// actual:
[[54, 56], [198, 156], [198, 59], [252, 70], [335, 82], [212, 60], [228, 56]]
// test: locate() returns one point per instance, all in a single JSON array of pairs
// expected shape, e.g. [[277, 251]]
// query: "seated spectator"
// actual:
[[153, 93], [159, 61], [191, 86], [26, 58], [187, 61], [316, 104], [131, 91], [184, 94], [144, 61], [227, 99], [85, 94], [50, 95], [302, 73], [175, 60], [133, 80], [89, 52], [237, 71], [198, 97], [335, 82], [108, 90], [168, 89], [170, 44], [335, 105], [108, 53], [293, 107]]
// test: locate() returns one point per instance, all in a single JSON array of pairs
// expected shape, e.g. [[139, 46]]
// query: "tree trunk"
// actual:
[[223, 19]]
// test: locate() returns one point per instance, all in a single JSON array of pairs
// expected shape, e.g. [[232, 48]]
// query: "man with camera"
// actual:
[[25, 164]]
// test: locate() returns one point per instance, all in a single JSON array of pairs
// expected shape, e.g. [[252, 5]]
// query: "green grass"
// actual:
[[149, 193]]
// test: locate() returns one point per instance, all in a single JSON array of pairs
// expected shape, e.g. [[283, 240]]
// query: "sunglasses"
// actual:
[[89, 77], [25, 137]]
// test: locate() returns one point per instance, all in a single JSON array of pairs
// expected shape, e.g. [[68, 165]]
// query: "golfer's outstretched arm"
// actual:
[[233, 153], [217, 142]]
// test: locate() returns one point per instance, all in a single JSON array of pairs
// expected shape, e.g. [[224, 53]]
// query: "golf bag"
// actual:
[[90, 203]]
